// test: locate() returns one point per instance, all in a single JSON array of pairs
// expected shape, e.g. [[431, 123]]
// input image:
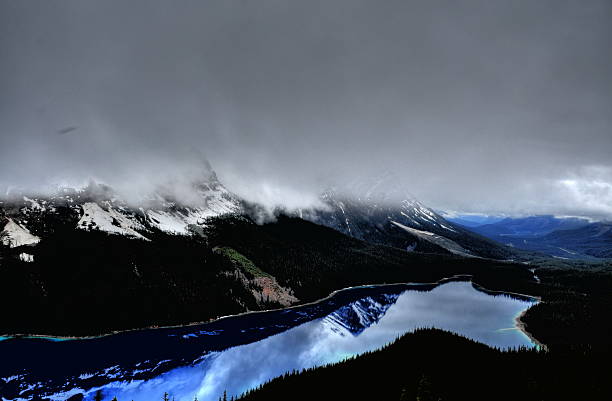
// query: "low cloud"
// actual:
[[483, 106]]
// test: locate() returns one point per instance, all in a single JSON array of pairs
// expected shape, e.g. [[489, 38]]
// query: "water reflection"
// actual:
[[328, 335]]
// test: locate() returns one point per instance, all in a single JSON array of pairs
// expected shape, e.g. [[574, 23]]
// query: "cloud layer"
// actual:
[[488, 106]]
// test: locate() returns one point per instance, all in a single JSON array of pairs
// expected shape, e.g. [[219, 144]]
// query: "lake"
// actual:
[[237, 353]]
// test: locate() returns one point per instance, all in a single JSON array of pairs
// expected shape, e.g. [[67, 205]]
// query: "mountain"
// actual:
[[98, 208], [593, 240], [559, 237], [84, 261], [362, 211], [399, 220], [529, 226], [470, 220], [89, 282]]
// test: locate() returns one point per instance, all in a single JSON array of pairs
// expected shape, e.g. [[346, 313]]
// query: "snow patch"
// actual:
[[173, 223], [410, 218], [568, 251], [217, 202], [14, 235], [26, 257], [111, 221], [447, 228], [439, 240], [34, 204]]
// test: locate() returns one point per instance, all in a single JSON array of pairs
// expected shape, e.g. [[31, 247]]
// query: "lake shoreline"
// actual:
[[522, 326], [459, 277]]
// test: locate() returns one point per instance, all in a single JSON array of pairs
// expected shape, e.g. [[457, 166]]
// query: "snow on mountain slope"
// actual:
[[357, 215], [172, 223], [36, 205], [439, 240], [96, 207], [178, 220], [14, 235], [364, 211], [26, 257], [109, 220], [213, 200], [420, 215]]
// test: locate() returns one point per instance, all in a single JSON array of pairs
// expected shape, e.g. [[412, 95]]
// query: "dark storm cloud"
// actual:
[[500, 106]]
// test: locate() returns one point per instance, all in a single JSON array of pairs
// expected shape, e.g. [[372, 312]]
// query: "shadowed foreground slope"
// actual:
[[436, 365]]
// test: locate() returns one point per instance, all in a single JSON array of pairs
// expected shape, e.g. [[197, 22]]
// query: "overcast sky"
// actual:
[[482, 106]]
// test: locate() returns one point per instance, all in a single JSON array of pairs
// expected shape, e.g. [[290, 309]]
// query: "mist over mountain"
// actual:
[[211, 200], [484, 106]]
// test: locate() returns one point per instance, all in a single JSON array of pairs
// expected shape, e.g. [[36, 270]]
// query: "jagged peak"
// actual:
[[98, 206], [182, 189]]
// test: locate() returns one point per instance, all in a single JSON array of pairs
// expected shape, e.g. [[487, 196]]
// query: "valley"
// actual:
[[86, 270], [566, 238], [305, 200]]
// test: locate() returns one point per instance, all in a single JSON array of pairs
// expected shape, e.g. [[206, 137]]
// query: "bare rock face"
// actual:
[[263, 286], [267, 289]]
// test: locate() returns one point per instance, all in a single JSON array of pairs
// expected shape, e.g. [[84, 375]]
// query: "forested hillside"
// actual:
[[432, 365], [85, 283]]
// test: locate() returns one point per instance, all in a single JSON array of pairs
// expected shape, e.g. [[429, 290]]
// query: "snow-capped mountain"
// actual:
[[397, 219], [361, 210], [27, 218]]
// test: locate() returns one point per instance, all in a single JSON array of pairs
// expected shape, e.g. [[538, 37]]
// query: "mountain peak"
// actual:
[[384, 188]]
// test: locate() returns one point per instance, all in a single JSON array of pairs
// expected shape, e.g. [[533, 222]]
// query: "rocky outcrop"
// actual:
[[262, 285]]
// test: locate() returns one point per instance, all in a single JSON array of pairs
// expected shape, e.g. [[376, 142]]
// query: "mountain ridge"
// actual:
[[564, 238], [393, 219], [406, 224]]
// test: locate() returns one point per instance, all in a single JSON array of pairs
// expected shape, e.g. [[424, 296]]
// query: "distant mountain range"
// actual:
[[529, 226], [559, 237], [392, 219], [470, 220], [360, 210]]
